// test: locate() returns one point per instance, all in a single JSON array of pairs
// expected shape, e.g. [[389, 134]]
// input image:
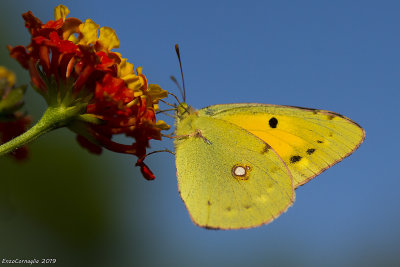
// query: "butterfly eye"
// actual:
[[241, 172]]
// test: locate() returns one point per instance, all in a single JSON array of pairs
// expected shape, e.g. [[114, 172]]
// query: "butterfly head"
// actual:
[[183, 110]]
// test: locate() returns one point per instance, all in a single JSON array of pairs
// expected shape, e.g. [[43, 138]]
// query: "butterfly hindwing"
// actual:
[[309, 141], [227, 177]]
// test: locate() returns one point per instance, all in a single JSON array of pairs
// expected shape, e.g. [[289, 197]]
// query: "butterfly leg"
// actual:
[[197, 133]]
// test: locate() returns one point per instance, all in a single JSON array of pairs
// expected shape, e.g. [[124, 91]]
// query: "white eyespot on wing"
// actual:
[[239, 171]]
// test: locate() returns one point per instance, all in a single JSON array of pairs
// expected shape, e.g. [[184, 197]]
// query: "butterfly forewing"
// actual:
[[309, 141]]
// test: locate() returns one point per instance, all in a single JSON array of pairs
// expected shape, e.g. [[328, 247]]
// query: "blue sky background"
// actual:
[[341, 56]]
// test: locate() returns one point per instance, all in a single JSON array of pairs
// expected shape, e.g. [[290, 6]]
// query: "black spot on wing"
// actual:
[[330, 117], [310, 151], [294, 159], [273, 122], [209, 203], [319, 141], [334, 114]]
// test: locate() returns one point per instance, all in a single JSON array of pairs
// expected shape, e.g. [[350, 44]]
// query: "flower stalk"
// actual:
[[53, 118]]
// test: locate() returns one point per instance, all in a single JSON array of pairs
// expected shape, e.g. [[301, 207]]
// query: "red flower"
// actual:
[[71, 65], [146, 172], [13, 128], [12, 122]]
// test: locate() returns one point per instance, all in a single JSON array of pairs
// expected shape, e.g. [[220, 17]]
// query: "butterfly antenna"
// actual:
[[176, 98], [180, 66], [177, 84], [165, 102]]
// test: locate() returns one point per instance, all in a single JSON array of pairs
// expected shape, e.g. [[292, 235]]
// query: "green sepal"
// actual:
[[89, 118], [83, 129]]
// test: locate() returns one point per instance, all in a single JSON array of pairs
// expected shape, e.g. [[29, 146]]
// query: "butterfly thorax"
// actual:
[[185, 115]]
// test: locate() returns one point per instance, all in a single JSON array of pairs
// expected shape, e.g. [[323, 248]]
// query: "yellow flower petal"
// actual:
[[156, 92], [162, 125], [9, 75], [60, 11], [138, 93], [108, 38], [73, 39], [125, 68], [71, 27], [139, 70], [134, 82], [88, 31]]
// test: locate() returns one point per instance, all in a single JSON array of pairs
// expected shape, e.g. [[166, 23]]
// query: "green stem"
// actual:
[[53, 118]]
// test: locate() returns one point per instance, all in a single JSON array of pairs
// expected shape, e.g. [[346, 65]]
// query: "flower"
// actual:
[[12, 121], [146, 172], [72, 66]]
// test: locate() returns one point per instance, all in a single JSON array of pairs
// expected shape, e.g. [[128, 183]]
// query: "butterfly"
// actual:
[[238, 165]]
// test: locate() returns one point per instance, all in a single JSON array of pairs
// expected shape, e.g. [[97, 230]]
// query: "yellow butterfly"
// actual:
[[239, 164]]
